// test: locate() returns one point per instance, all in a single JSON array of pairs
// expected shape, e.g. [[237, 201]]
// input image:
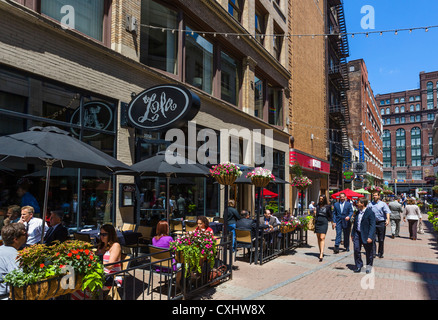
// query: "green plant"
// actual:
[[194, 247], [192, 207], [304, 221], [40, 262], [273, 206]]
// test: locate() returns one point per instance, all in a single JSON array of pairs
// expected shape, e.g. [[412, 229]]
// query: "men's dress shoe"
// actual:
[[368, 271], [348, 250], [380, 256], [336, 250], [357, 270], [393, 236]]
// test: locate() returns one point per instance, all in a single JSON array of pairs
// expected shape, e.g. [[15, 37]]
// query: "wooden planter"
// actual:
[[226, 180], [260, 181], [44, 290], [286, 229]]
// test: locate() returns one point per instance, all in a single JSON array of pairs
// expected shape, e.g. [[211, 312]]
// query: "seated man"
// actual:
[[246, 223], [56, 231], [269, 220]]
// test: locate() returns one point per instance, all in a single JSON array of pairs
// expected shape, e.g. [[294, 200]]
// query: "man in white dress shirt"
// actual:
[[33, 225]]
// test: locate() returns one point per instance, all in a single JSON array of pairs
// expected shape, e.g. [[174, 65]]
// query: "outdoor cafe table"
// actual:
[[125, 237]]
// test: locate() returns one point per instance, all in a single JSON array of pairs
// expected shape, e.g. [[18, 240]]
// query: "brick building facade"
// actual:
[[48, 72], [408, 118], [365, 120]]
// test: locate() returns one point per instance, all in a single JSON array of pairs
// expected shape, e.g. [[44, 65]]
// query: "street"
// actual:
[[408, 271]]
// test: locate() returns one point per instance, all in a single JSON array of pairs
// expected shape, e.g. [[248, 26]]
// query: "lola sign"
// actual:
[[162, 107]]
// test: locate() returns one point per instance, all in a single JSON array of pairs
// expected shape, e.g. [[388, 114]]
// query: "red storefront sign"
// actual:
[[308, 163]]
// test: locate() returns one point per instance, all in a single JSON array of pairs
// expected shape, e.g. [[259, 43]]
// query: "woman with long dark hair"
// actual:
[[322, 217], [111, 250]]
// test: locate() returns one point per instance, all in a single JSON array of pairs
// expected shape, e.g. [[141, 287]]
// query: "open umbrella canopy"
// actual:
[[361, 191], [350, 194], [54, 147], [268, 194], [169, 163], [42, 144]]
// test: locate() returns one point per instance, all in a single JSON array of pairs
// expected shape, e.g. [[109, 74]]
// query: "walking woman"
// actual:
[[412, 214], [322, 217]]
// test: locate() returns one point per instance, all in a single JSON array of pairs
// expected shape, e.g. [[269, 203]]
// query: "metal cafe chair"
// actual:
[[176, 227], [191, 226], [244, 240], [128, 226], [143, 241], [82, 237], [161, 263]]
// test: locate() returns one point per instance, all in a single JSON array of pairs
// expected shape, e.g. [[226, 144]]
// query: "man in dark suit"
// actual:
[[246, 223], [56, 231], [269, 220], [364, 230], [342, 214]]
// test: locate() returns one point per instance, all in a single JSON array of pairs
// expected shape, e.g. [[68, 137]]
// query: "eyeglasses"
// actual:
[[104, 234]]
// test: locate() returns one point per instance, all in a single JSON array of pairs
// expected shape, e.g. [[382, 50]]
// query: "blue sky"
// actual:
[[394, 61]]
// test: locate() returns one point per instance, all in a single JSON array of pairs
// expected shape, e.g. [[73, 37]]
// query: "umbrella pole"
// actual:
[[168, 198], [258, 207], [49, 164]]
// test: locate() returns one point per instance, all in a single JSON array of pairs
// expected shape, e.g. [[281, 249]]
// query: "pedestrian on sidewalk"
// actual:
[[364, 229], [395, 216], [413, 215], [382, 213], [342, 213], [323, 216]]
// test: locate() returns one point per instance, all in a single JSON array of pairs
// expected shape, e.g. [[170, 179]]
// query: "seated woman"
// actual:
[[111, 250], [203, 224], [162, 238]]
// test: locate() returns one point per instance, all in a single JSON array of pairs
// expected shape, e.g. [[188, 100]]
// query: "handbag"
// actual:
[[216, 273], [311, 224]]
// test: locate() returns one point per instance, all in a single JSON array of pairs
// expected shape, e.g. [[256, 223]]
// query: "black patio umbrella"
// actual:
[[167, 163], [54, 147]]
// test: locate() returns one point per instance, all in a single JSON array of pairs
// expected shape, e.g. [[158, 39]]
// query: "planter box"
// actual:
[[43, 290]]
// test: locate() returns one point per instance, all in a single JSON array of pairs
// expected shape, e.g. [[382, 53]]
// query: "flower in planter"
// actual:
[[226, 169], [372, 189], [194, 247], [40, 262], [301, 182], [260, 173]]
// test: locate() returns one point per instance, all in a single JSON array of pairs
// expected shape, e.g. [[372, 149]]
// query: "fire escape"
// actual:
[[338, 77]]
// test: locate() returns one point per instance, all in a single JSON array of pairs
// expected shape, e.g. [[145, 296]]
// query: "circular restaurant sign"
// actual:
[[162, 107], [97, 115]]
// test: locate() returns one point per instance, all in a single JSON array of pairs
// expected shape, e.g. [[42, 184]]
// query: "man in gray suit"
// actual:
[[395, 217]]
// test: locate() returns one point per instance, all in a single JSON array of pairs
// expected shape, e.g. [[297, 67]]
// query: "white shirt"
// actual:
[[34, 230], [359, 219]]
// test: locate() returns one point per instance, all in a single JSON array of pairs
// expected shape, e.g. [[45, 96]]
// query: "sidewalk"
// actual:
[[408, 271]]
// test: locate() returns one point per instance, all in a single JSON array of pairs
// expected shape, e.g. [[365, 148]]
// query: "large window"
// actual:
[[416, 146], [158, 48], [230, 78], [258, 97], [199, 61], [84, 196], [386, 138], [417, 175], [260, 27], [87, 17], [235, 8], [275, 101], [401, 147]]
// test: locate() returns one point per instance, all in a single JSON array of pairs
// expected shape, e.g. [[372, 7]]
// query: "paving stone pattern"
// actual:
[[408, 271]]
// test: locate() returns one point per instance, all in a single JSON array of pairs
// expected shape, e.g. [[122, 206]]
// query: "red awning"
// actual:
[[268, 194]]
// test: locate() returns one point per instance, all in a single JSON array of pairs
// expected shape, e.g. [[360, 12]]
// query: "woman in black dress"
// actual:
[[322, 217]]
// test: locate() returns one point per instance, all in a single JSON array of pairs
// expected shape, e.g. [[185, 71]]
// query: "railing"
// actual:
[[142, 279]]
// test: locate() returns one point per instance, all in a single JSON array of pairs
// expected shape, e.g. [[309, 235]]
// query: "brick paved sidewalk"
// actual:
[[408, 271]]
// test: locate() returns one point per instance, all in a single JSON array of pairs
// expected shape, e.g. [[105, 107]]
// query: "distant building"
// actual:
[[408, 147], [365, 120]]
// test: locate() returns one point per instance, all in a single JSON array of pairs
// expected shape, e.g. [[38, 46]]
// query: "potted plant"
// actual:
[[435, 189], [225, 172], [260, 177], [193, 248], [301, 182], [287, 226], [43, 268], [373, 188]]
